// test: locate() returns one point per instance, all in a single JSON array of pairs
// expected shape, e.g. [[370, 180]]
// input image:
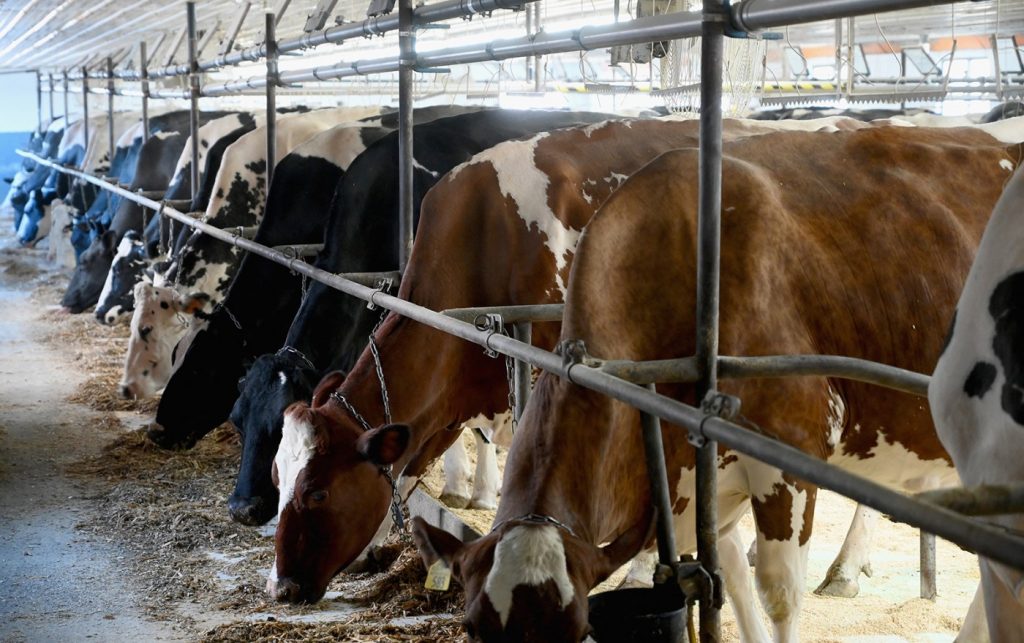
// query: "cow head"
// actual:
[[333, 497], [528, 579], [148, 364], [90, 273], [272, 384], [128, 267]]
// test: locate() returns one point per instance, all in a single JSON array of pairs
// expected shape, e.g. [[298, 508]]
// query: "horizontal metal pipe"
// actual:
[[340, 33], [301, 249], [983, 538], [649, 29], [371, 279], [510, 314], [983, 500], [684, 370]]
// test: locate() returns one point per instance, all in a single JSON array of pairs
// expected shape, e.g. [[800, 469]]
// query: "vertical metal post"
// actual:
[[39, 101], [66, 116], [271, 45], [110, 110], [839, 57], [85, 104], [144, 76], [654, 451], [407, 49], [193, 79], [708, 250], [538, 68], [50, 77], [928, 584], [851, 60], [523, 331]]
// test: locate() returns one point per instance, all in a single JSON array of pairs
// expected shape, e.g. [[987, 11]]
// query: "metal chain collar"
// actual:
[[396, 498], [494, 324]]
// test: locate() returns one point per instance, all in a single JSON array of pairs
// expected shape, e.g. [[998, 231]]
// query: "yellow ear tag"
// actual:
[[439, 577]]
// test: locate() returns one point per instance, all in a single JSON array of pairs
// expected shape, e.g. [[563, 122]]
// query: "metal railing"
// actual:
[[983, 538], [611, 377]]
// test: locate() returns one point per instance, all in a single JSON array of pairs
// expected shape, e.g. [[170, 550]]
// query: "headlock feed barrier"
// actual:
[[630, 382]]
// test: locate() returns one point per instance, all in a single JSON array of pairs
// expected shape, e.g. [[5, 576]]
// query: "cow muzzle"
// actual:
[[252, 511], [285, 590]]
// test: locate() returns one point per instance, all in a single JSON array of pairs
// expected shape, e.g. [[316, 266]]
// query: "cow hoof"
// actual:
[[455, 501], [160, 437], [478, 503], [837, 584]]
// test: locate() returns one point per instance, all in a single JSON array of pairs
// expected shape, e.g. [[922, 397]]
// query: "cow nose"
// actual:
[[252, 511], [286, 591], [127, 393]]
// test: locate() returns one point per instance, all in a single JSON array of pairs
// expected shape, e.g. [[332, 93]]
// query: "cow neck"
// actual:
[[547, 485]]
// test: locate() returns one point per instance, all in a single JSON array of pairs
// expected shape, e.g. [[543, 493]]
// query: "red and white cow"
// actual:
[[828, 247], [519, 208], [977, 391]]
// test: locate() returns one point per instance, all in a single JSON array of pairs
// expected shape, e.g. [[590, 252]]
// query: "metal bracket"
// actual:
[[383, 286], [229, 38], [380, 8], [317, 18], [732, 30], [714, 404], [493, 323], [698, 584]]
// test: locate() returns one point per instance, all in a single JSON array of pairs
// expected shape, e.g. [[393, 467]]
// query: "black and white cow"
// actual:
[[157, 157], [46, 143], [330, 328], [214, 137], [297, 209], [977, 391], [204, 265]]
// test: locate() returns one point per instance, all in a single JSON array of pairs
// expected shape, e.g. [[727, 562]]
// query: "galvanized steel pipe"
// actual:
[[193, 81]]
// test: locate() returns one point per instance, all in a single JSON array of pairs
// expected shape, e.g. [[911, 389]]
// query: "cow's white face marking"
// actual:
[[123, 250], [283, 378], [527, 555], [296, 450], [521, 179], [1006, 164]]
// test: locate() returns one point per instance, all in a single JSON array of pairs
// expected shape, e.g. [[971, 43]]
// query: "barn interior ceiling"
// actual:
[[54, 35]]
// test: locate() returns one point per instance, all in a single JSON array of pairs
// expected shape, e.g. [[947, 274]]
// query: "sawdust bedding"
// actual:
[[167, 510]]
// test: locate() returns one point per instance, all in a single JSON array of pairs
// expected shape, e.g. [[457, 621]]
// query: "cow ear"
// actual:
[[109, 240], [384, 445], [330, 383], [436, 544], [193, 303], [627, 545]]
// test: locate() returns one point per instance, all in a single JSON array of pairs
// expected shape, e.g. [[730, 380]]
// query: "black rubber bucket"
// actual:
[[641, 615]]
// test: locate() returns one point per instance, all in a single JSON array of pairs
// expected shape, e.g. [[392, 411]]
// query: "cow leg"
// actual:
[[975, 627], [841, 579], [736, 574], [485, 480], [1004, 605], [783, 509], [456, 475]]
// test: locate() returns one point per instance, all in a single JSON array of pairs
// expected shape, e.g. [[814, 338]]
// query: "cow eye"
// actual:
[[318, 496]]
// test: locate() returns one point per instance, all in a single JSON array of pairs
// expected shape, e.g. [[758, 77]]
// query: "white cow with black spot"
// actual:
[[977, 390]]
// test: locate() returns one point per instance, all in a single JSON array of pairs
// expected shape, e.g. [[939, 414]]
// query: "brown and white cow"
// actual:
[[855, 243], [517, 208]]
